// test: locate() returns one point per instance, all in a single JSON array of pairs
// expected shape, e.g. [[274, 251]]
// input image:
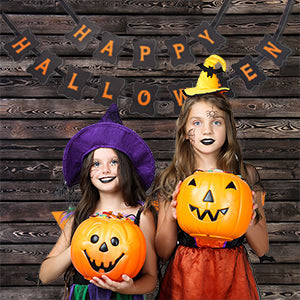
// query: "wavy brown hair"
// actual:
[[130, 185], [183, 163]]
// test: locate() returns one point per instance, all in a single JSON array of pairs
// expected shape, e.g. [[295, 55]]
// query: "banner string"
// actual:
[[10, 24], [69, 11], [216, 21], [283, 19]]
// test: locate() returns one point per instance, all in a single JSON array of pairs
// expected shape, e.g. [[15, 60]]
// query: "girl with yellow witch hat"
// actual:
[[206, 139]]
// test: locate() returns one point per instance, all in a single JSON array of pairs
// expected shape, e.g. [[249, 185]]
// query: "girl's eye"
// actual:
[[217, 123], [114, 162], [96, 164], [197, 123]]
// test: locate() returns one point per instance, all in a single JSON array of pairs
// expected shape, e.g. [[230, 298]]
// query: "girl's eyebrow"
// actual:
[[99, 159], [195, 118]]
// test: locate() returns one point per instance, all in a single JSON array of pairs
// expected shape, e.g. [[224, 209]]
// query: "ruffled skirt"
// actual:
[[209, 274], [92, 292]]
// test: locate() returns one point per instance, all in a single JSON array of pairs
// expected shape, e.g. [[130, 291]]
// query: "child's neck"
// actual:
[[206, 163], [110, 202]]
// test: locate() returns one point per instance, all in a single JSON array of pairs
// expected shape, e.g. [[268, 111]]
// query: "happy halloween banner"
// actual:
[[144, 54]]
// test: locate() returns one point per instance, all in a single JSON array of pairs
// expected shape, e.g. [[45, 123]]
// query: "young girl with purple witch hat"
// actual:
[[114, 167], [206, 140]]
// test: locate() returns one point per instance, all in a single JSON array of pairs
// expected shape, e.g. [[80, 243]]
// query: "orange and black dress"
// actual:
[[221, 272], [206, 273]]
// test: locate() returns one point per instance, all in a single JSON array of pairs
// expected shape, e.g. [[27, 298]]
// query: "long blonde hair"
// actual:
[[183, 163]]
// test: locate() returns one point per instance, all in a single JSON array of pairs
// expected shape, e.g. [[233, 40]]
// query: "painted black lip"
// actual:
[[207, 141], [109, 268], [107, 179]]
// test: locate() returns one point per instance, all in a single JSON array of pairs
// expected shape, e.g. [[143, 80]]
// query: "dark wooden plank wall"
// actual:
[[36, 123]]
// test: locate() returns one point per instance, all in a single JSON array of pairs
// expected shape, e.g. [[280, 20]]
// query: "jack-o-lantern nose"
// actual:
[[103, 247], [208, 197]]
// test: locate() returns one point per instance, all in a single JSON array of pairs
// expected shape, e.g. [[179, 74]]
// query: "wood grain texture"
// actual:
[[36, 122], [29, 87], [277, 273], [268, 292], [15, 254], [125, 69], [162, 149], [148, 129], [287, 211], [152, 24], [35, 108], [43, 233], [236, 45], [33, 292], [265, 274], [276, 190], [52, 170], [146, 7]]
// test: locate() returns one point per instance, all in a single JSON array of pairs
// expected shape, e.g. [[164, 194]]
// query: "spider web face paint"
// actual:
[[212, 114], [191, 135]]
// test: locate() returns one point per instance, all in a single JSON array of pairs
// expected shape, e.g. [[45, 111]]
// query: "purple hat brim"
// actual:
[[108, 135]]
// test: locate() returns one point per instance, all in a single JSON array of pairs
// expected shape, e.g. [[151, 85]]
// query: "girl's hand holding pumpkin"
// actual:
[[254, 207], [173, 203], [115, 286]]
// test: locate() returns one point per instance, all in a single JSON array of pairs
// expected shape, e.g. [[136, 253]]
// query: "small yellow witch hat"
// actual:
[[208, 81]]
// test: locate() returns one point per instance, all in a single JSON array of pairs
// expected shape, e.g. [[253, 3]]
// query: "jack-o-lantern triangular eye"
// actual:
[[231, 186], [192, 182]]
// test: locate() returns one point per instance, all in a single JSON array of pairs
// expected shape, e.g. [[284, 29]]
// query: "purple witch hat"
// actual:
[[108, 133]]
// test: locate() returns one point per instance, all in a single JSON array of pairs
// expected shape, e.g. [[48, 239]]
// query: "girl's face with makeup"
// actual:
[[105, 170], [205, 128]]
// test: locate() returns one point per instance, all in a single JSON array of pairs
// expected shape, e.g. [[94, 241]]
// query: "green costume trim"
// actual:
[[125, 297], [80, 291]]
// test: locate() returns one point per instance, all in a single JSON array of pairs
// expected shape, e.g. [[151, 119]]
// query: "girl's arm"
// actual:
[[257, 233], [147, 282], [166, 234], [59, 258]]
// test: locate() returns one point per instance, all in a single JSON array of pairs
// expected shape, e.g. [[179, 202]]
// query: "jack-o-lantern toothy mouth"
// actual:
[[212, 217], [106, 269]]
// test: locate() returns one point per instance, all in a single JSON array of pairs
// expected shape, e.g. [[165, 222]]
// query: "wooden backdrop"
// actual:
[[36, 123]]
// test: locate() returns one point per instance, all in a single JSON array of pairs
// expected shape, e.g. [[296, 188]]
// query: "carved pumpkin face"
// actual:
[[110, 246], [214, 205]]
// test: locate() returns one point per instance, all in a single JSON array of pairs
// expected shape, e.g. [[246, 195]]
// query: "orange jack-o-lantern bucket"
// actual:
[[214, 205], [110, 245]]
